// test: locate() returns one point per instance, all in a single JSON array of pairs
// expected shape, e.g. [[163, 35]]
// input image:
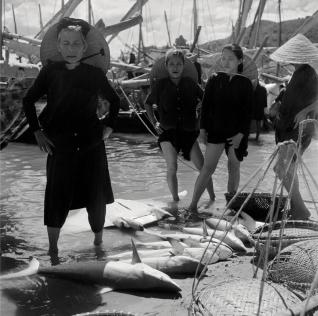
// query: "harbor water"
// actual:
[[138, 172]]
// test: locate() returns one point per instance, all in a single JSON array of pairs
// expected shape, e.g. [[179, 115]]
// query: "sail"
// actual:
[[131, 13], [27, 50], [308, 24], [66, 11], [118, 27]]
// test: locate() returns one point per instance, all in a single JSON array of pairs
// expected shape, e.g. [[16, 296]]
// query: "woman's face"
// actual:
[[71, 45], [175, 67], [229, 61]]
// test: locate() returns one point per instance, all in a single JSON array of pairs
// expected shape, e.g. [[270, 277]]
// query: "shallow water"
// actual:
[[137, 171]]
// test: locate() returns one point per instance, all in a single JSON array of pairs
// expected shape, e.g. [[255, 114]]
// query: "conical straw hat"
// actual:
[[297, 50], [159, 70], [95, 42], [213, 62]]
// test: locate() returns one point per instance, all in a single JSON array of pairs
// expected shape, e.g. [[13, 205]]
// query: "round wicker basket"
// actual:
[[296, 265], [241, 297]]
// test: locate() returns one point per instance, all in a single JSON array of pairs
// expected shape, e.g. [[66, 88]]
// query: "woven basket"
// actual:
[[257, 206], [296, 265], [240, 297]]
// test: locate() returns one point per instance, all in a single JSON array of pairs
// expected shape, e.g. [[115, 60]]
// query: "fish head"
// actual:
[[139, 276], [156, 279]]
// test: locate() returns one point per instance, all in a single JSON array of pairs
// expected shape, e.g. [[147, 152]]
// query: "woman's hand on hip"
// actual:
[[43, 142], [157, 127], [235, 140], [106, 132]]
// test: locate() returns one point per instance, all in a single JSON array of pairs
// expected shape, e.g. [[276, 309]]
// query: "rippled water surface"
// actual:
[[137, 171]]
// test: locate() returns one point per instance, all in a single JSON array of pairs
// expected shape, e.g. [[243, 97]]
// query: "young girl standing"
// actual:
[[71, 133], [225, 121], [177, 98]]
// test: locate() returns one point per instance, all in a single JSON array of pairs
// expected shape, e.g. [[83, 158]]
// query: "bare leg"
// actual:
[[198, 160], [298, 207], [212, 155], [170, 156], [98, 240], [233, 166], [53, 234], [258, 129]]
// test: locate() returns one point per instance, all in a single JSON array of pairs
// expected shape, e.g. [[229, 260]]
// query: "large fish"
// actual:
[[238, 229], [113, 275], [228, 237], [223, 250], [172, 265], [121, 213]]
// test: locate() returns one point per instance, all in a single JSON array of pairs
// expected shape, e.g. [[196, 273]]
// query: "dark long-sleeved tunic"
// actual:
[[77, 171], [259, 102], [72, 100], [301, 91], [226, 107], [177, 104]]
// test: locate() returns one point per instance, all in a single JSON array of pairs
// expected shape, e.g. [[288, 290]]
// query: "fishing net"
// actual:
[[241, 297], [258, 204], [296, 265]]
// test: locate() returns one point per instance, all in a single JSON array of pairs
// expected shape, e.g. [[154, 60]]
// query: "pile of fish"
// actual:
[[151, 266]]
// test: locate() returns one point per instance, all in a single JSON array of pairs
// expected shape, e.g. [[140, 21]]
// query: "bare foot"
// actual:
[[98, 240]]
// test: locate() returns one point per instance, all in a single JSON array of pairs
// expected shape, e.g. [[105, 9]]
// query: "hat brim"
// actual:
[[297, 50], [213, 62], [95, 44], [159, 70]]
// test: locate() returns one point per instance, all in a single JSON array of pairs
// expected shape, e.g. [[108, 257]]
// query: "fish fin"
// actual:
[[205, 229], [191, 242], [135, 257], [178, 249], [150, 232], [131, 223], [160, 213], [33, 268], [103, 290]]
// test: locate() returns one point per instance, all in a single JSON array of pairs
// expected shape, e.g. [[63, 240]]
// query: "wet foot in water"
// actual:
[[98, 240]]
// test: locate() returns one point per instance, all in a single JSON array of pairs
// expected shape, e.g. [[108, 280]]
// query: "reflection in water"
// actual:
[[137, 171]]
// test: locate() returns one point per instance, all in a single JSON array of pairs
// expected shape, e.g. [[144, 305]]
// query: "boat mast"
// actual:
[[259, 19], [1, 56], [166, 19], [195, 18], [89, 10], [40, 15], [279, 31], [140, 41], [14, 20]]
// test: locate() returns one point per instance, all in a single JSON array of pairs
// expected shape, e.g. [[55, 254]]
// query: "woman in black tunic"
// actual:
[[177, 98], [225, 121], [71, 133], [296, 103]]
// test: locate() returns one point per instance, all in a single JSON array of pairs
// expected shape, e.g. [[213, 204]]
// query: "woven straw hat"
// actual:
[[213, 62], [297, 50], [95, 44], [159, 70]]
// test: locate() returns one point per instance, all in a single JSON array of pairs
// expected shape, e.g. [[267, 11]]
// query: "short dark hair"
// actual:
[[73, 24], [174, 52], [238, 52]]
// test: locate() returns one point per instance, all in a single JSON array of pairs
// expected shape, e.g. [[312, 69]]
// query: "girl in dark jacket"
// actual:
[[225, 121]]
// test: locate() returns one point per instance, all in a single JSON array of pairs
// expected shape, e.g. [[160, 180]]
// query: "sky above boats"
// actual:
[[215, 16]]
